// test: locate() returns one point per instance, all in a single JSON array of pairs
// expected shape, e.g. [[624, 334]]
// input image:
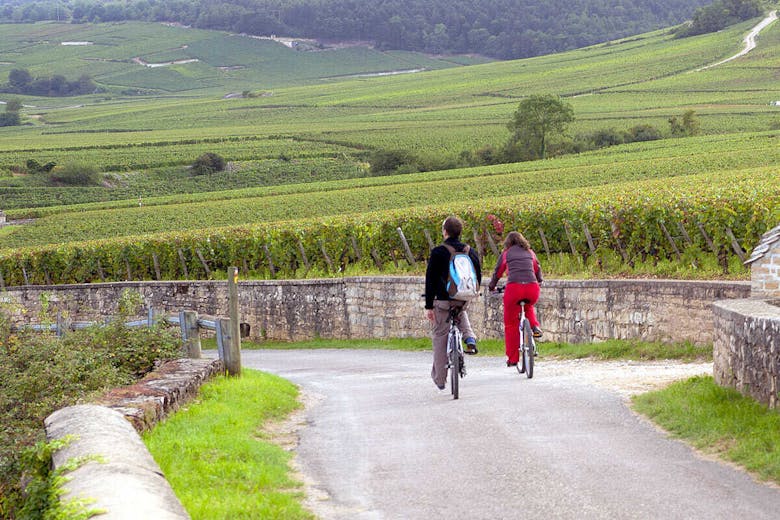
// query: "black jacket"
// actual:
[[438, 271]]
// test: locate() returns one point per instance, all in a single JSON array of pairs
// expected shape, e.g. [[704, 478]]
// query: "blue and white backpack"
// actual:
[[462, 279]]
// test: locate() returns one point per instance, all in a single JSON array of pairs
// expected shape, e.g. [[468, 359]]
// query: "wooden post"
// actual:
[[225, 345], [183, 263], [326, 256], [234, 368], [427, 234], [271, 266], [188, 321], [47, 277], [544, 242], [478, 244], [568, 236], [377, 260], [303, 255], [671, 240], [589, 238], [735, 245], [245, 266], [156, 262], [101, 273], [203, 261], [616, 236], [492, 244], [407, 249], [2, 280], [26, 278], [356, 248], [129, 272], [707, 238], [684, 233]]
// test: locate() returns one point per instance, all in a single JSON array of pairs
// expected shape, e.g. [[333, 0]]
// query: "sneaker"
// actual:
[[511, 364], [537, 332], [471, 346], [440, 387]]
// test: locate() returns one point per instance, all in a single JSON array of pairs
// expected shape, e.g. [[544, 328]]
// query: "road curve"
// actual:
[[749, 40], [379, 441]]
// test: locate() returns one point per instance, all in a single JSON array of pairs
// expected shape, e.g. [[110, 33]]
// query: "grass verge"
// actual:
[[718, 421], [611, 349], [217, 457]]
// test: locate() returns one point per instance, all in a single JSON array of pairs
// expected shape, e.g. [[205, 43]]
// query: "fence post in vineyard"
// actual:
[[478, 244], [183, 263], [46, 277], [544, 243], [671, 240], [589, 238], [684, 233], [271, 266], [492, 244], [203, 261], [188, 321], [567, 228], [127, 266], [356, 248], [377, 260], [707, 238], [234, 366], [427, 234], [101, 273], [26, 278], [616, 235], [326, 256], [2, 281], [303, 255], [156, 262], [735, 245], [407, 250]]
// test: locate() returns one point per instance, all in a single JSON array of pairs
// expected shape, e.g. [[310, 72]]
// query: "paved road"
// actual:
[[381, 442]]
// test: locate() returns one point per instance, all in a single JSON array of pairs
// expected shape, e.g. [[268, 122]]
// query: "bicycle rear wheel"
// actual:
[[528, 349], [454, 360]]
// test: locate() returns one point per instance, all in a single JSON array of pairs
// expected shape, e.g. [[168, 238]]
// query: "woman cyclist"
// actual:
[[524, 275]]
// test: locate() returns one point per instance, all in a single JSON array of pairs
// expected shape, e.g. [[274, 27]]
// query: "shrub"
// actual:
[[75, 174], [208, 163], [642, 132], [385, 162], [41, 373]]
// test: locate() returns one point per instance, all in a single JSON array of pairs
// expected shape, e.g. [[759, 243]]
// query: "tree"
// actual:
[[689, 125], [537, 119], [208, 163]]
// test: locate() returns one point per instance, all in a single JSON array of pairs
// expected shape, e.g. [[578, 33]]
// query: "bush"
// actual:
[[74, 174], [640, 133], [41, 373], [208, 163], [384, 162]]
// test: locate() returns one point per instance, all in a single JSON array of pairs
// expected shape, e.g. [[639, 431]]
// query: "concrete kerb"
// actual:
[[119, 477]]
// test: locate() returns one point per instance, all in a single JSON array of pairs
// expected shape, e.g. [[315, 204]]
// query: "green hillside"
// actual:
[[322, 135]]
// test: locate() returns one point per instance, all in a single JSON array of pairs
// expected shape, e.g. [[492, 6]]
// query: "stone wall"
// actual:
[[381, 307], [746, 348], [765, 274]]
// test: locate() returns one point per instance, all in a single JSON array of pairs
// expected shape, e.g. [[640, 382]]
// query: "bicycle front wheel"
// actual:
[[528, 350]]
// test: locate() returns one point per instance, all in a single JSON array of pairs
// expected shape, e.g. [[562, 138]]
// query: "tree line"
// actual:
[[504, 29], [20, 81]]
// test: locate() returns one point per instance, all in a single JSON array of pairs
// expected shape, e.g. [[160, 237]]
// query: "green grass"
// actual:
[[607, 350], [219, 459], [718, 421]]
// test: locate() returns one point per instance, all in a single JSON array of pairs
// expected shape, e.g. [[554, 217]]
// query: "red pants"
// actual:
[[513, 293]]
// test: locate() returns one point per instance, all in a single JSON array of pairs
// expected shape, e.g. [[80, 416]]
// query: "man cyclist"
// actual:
[[438, 302]]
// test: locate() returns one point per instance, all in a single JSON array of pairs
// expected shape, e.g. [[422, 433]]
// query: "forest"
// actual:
[[502, 29]]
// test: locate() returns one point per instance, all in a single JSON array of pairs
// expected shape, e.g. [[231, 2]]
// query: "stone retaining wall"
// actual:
[[382, 307], [120, 477], [746, 349]]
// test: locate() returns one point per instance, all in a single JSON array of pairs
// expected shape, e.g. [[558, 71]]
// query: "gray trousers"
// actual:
[[440, 329]]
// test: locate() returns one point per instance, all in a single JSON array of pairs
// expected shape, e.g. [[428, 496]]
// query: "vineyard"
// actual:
[[298, 199]]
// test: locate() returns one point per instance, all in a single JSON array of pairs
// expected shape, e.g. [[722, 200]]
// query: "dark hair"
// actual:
[[453, 226], [515, 238]]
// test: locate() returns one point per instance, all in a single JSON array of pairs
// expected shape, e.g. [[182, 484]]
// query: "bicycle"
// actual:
[[527, 346], [456, 363]]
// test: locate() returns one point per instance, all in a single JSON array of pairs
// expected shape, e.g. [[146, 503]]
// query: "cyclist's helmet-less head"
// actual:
[[452, 226]]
